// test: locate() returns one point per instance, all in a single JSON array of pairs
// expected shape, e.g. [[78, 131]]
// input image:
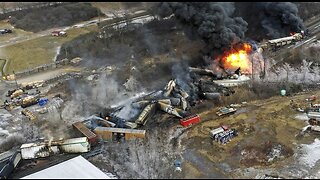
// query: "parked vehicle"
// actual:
[[5, 31], [223, 134], [59, 33]]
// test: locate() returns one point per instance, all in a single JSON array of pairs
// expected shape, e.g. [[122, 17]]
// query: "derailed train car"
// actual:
[[48, 148], [274, 44], [8, 162], [86, 132]]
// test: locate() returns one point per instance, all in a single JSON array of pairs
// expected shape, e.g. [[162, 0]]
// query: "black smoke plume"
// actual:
[[213, 22], [269, 19], [279, 18]]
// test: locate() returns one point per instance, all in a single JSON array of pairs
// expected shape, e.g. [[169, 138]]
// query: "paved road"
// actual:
[[16, 40]]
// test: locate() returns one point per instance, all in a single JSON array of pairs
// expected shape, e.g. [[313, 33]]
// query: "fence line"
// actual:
[[43, 68]]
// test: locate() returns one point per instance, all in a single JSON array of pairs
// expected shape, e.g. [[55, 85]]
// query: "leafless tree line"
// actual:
[[6, 7]]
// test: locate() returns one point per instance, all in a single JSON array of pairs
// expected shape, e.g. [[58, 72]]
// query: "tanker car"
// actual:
[[274, 44]]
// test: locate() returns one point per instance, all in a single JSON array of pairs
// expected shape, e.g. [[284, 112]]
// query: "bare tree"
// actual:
[[126, 17], [18, 6], [3, 7]]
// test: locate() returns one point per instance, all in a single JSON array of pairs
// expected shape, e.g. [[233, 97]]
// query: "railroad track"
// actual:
[[314, 34]]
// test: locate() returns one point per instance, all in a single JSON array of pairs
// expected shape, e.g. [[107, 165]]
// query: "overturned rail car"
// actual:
[[47, 148], [107, 133], [81, 128]]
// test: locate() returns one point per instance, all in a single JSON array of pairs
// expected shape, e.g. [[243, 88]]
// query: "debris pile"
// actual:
[[175, 99], [23, 97]]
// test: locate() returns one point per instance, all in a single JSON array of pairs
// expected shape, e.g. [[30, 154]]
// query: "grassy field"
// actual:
[[107, 5], [16, 32], [38, 51]]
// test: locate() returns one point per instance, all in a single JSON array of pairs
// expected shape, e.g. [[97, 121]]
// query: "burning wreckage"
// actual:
[[175, 99]]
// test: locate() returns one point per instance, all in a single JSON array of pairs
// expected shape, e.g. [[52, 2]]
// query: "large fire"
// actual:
[[238, 57]]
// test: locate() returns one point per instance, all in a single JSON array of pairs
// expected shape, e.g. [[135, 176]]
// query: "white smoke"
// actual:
[[302, 75], [106, 93]]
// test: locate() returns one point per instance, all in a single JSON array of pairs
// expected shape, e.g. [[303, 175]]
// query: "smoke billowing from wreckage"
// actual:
[[213, 22], [106, 92], [117, 103], [278, 18]]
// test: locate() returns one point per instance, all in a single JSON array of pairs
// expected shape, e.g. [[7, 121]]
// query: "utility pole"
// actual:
[[15, 79], [252, 69], [99, 17], [65, 49], [264, 67]]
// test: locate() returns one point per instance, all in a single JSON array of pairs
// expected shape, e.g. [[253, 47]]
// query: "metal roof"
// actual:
[[119, 130], [75, 168]]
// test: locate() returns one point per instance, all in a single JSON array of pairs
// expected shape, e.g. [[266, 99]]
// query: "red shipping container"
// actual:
[[193, 119], [92, 137]]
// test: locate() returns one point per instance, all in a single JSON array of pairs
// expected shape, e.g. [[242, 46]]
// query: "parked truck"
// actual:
[[223, 134]]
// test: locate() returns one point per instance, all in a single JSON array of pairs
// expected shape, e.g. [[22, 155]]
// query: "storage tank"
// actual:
[[75, 145], [142, 119], [45, 149]]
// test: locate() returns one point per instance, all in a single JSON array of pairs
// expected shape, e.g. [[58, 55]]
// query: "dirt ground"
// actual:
[[261, 125]]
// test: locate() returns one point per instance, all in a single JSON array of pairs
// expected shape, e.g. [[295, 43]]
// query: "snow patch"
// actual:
[[311, 153], [302, 117]]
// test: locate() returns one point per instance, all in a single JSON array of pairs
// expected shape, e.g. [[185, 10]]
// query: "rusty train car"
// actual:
[[92, 137], [108, 133]]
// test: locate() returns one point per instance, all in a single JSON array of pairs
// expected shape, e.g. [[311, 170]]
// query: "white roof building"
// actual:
[[75, 168]]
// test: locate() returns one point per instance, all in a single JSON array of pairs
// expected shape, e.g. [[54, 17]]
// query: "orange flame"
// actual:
[[238, 58]]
